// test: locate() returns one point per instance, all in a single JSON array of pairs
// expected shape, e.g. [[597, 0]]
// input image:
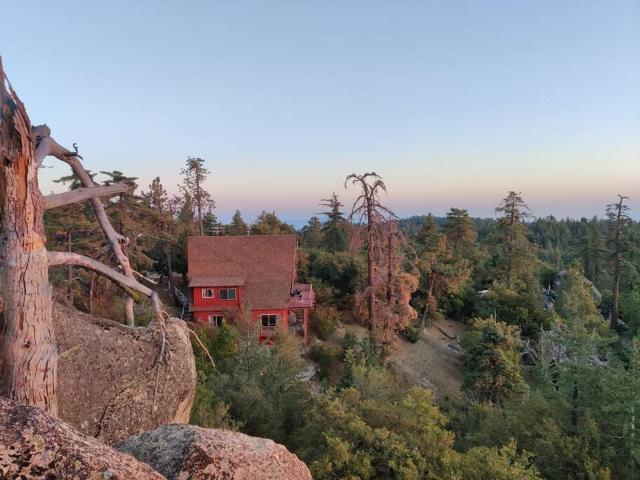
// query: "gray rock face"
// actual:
[[34, 445], [106, 380], [182, 452]]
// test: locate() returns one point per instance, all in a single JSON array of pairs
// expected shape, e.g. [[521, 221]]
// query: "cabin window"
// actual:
[[216, 320], [269, 320], [227, 294], [207, 293]]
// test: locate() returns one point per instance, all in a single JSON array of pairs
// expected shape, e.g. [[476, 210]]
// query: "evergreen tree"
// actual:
[[268, 223], [513, 255], [237, 226], [157, 197], [348, 366], [336, 228], [441, 271], [619, 223], [312, 233], [195, 174], [492, 362], [210, 224], [461, 233]]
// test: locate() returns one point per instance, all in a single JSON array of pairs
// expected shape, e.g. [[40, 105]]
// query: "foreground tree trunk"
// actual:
[[29, 366]]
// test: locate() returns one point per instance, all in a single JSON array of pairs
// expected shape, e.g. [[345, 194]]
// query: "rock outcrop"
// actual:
[[183, 452], [34, 445], [107, 385]]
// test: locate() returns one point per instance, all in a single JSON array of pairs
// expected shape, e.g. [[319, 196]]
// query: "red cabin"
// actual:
[[225, 272]]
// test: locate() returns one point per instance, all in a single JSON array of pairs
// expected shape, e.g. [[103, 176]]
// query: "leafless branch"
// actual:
[[86, 193]]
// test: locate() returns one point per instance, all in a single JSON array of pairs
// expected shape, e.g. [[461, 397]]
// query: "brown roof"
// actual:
[[216, 282], [265, 262]]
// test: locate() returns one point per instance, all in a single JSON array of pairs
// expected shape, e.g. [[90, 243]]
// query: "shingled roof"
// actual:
[[266, 264]]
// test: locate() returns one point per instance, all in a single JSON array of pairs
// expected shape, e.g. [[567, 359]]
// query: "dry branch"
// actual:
[[46, 145], [131, 285], [86, 193]]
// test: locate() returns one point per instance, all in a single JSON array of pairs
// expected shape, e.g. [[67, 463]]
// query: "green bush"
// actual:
[[411, 333], [349, 341], [324, 321], [325, 357]]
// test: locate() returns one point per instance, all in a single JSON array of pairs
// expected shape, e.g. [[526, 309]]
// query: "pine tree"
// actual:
[[492, 360], [157, 196], [268, 223], [441, 271], [237, 226], [312, 233], [619, 223], [195, 174], [461, 232], [348, 366], [513, 256], [336, 228], [210, 224]]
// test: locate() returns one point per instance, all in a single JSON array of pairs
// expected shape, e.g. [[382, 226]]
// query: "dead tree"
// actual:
[[367, 208], [618, 214], [29, 364]]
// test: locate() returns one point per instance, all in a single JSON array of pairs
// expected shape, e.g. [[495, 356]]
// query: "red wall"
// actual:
[[218, 306], [283, 317], [215, 303]]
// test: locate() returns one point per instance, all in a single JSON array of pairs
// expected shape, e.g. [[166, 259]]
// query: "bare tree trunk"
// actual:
[[29, 364], [428, 303], [617, 252], [69, 270], [390, 269], [370, 259], [92, 285], [199, 204]]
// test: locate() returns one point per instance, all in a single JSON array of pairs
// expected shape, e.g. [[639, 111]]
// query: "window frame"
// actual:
[[227, 290], [275, 316], [212, 290], [216, 320]]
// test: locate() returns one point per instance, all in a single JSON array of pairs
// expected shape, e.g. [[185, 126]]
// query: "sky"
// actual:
[[453, 103]]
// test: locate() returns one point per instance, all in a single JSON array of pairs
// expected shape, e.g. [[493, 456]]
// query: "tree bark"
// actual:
[[617, 252], [80, 194], [370, 247], [130, 285], [29, 364], [48, 146], [69, 270]]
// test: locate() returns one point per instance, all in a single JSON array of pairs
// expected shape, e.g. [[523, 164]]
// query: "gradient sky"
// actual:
[[452, 102]]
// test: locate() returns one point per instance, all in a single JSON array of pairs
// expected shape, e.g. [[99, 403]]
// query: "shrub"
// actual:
[[349, 341], [324, 321], [325, 357], [411, 333]]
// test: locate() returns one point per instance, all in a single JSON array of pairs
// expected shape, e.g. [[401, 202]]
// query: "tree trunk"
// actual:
[[615, 290], [427, 304], [370, 273], [91, 292], [69, 270], [390, 269], [29, 364]]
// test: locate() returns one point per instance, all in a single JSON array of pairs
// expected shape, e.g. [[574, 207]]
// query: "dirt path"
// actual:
[[434, 361]]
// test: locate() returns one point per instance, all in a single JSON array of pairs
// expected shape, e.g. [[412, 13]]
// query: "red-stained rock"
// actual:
[[182, 452], [35, 445]]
